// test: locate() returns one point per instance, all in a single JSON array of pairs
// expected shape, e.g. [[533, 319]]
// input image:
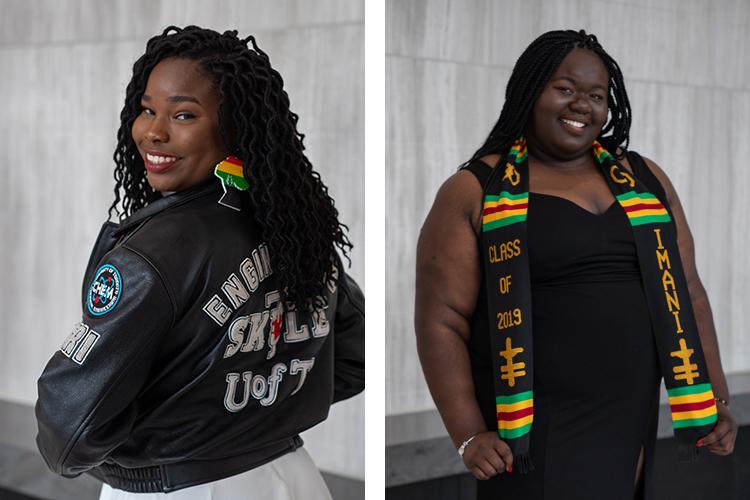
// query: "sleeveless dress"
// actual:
[[594, 408]]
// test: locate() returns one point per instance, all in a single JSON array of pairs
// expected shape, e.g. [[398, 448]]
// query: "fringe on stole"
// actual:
[[522, 464], [687, 452]]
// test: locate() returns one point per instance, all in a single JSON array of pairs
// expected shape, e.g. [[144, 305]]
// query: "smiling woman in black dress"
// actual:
[[594, 423]]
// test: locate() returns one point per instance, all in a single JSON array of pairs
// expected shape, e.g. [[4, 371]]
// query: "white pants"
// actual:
[[290, 477]]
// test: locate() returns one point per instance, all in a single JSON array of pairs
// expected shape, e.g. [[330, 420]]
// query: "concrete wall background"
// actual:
[[65, 68], [687, 70]]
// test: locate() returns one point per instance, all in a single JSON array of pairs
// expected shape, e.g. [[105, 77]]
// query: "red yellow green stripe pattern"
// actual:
[[518, 150], [601, 154], [643, 208], [504, 209], [515, 413], [229, 171], [692, 406]]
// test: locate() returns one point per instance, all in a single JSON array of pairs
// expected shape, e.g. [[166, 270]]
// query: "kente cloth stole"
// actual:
[[508, 283]]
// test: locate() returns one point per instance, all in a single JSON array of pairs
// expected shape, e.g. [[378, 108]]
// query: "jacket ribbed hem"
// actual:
[[170, 477]]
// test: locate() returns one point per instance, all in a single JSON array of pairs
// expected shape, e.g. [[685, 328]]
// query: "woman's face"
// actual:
[[572, 108], [177, 131]]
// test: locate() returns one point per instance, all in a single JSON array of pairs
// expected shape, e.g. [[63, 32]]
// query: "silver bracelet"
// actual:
[[463, 446]]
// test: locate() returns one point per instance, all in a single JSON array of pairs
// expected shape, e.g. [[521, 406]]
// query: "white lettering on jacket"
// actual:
[[79, 343], [263, 389], [254, 270], [264, 330]]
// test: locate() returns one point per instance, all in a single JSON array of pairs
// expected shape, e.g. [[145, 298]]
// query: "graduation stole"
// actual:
[[508, 283]]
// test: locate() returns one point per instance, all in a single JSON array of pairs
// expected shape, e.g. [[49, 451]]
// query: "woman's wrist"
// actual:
[[722, 401], [465, 443]]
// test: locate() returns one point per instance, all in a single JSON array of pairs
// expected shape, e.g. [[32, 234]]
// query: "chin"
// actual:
[[574, 146], [158, 184]]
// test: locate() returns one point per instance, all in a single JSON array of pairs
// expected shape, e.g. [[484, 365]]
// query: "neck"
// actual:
[[580, 161]]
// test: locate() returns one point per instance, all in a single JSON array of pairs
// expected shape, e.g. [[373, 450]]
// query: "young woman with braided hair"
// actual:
[[218, 322], [567, 291]]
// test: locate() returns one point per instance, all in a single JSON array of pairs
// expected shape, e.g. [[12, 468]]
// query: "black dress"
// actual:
[[593, 407]]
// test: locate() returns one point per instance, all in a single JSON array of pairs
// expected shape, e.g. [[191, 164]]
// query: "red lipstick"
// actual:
[[158, 166]]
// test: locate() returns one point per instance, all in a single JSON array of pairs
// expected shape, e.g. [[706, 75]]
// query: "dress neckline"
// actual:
[[571, 202]]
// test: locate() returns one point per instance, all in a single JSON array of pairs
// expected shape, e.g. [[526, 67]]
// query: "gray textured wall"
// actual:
[[65, 68], [687, 72]]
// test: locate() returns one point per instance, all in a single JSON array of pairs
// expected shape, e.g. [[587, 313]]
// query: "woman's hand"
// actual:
[[487, 455], [721, 439]]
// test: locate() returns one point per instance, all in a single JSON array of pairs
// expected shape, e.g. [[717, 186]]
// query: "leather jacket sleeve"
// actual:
[[349, 346], [87, 391]]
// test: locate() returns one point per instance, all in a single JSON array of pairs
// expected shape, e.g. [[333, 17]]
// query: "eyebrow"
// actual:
[[175, 98], [572, 80]]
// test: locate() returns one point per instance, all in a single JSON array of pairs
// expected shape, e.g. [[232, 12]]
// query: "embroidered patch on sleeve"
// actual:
[[79, 343], [105, 291]]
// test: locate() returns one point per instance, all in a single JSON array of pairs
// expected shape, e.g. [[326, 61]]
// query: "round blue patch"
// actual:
[[105, 291]]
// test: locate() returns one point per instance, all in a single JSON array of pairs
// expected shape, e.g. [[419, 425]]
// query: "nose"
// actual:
[[157, 131], [580, 104]]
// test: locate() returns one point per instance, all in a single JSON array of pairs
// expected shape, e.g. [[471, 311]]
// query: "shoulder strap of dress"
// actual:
[[644, 174], [480, 170]]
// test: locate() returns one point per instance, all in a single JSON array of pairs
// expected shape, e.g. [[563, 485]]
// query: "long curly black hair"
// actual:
[[298, 220], [531, 73]]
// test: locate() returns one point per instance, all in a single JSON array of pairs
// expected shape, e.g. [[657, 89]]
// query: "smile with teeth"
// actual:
[[160, 159], [573, 123]]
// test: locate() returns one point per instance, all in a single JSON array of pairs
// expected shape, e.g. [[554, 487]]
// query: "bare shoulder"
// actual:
[[662, 177], [459, 196], [655, 169]]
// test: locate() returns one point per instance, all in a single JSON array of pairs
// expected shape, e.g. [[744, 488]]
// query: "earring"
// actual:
[[229, 172]]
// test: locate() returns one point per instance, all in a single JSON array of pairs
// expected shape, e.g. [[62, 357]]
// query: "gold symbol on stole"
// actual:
[[511, 370], [512, 174], [625, 179], [685, 371]]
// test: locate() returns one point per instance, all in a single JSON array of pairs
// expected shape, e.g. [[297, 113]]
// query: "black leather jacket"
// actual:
[[185, 367]]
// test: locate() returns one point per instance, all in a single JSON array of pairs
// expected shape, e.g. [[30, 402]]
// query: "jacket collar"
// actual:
[[173, 200]]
